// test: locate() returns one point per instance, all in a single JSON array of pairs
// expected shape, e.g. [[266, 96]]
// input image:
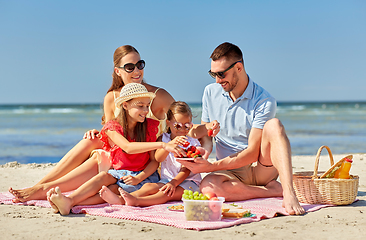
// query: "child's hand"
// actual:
[[180, 140], [130, 180], [174, 148], [213, 128], [168, 189]]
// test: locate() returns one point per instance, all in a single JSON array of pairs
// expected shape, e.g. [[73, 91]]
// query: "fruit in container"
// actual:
[[203, 210], [197, 207], [192, 152], [210, 195], [190, 195]]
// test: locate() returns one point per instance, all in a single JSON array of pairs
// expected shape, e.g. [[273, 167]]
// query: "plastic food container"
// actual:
[[203, 210]]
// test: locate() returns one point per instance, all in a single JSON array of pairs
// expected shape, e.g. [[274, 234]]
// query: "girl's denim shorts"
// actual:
[[153, 178]]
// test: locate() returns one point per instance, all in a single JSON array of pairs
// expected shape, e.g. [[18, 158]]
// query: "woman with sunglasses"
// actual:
[[128, 68]]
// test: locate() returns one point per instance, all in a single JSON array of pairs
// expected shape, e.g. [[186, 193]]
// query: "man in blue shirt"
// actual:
[[251, 145]]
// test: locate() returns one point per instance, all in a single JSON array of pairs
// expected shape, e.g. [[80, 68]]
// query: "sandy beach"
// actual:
[[29, 222]]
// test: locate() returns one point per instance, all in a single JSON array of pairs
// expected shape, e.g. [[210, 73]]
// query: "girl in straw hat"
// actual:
[[130, 141], [73, 169]]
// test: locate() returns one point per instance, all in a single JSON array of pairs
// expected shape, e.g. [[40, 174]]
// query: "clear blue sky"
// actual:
[[61, 51]]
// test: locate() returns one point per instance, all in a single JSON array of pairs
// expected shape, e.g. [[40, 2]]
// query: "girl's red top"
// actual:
[[121, 159]]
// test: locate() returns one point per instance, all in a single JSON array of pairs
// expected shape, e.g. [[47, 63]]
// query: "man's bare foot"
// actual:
[[110, 197], [53, 206], [290, 202], [129, 199], [32, 193], [62, 202], [292, 205]]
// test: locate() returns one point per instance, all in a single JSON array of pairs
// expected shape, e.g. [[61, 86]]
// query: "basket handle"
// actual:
[[318, 157]]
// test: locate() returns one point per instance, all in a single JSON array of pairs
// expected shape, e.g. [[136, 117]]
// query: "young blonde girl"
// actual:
[[129, 142], [175, 178]]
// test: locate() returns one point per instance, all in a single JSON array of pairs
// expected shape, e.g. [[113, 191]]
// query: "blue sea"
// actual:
[[44, 133]]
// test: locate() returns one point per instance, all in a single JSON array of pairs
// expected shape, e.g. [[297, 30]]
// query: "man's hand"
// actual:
[[205, 154], [198, 165], [213, 128]]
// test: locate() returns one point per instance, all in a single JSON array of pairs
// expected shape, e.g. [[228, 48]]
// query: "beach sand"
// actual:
[[29, 222]]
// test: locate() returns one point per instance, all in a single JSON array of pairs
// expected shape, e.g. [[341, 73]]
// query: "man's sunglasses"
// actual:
[[180, 126], [221, 75], [130, 67]]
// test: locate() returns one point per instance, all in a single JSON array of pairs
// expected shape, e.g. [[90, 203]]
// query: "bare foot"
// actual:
[[292, 205], [129, 199], [32, 193], [53, 206], [290, 202], [62, 202], [110, 197]]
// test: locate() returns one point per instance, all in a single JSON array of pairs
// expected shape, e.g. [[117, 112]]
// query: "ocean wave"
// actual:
[[321, 110], [48, 110], [41, 111], [64, 110]]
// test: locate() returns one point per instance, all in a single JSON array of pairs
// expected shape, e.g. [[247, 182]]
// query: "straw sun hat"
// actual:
[[133, 90]]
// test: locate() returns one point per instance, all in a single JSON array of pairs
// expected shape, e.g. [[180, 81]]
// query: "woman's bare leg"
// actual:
[[76, 156], [68, 182]]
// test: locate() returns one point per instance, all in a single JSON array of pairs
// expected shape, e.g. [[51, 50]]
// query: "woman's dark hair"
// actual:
[[117, 81]]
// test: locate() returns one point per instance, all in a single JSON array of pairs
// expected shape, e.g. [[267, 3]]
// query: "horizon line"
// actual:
[[278, 102]]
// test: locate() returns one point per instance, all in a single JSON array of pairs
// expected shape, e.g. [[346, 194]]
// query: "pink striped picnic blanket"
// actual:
[[261, 208]]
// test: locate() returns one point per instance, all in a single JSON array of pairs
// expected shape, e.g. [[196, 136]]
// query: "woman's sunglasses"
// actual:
[[221, 75], [180, 126], [130, 67]]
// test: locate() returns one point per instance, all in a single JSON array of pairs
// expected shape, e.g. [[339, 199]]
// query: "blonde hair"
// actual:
[[178, 107]]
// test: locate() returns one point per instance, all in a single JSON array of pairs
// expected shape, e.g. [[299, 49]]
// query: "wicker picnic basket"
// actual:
[[315, 188]]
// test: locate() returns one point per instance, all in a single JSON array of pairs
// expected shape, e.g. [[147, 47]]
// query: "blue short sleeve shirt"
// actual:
[[251, 110]]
